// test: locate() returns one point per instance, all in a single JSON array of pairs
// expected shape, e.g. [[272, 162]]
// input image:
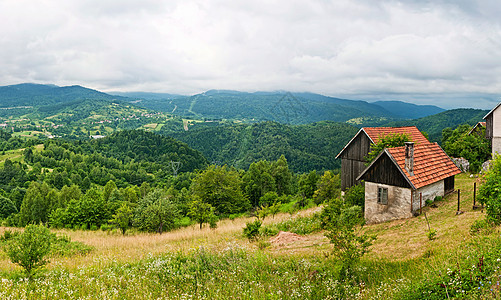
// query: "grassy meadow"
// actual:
[[221, 263]]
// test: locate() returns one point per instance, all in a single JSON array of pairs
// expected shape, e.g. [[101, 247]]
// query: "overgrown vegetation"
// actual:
[[489, 193], [386, 141], [473, 147]]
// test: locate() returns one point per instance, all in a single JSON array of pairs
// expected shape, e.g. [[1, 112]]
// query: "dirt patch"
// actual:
[[284, 238]]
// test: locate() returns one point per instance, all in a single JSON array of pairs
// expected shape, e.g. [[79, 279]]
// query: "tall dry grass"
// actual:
[[112, 246]]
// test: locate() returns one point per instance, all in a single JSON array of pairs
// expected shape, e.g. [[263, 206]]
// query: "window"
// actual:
[[382, 195]]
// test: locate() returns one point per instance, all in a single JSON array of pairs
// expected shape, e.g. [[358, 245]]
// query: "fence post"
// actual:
[[459, 199], [475, 195], [420, 203]]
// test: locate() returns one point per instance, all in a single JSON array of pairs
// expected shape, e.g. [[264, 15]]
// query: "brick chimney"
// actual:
[[409, 157]]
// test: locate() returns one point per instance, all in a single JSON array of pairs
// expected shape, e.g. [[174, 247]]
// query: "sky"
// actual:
[[442, 52]]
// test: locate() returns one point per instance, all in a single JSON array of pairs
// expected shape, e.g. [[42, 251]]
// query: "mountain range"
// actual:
[[283, 107], [228, 127]]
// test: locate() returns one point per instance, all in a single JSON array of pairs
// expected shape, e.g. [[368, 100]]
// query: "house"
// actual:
[[354, 153], [401, 178], [493, 128]]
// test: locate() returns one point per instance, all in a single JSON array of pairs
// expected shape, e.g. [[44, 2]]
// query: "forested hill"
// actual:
[[283, 107], [409, 110], [306, 147], [127, 157], [29, 94], [147, 146], [434, 124]]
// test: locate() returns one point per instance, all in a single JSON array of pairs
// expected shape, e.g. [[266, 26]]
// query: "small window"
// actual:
[[382, 195]]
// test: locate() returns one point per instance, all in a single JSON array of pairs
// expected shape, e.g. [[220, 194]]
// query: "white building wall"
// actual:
[[496, 131], [496, 145], [428, 192], [398, 207]]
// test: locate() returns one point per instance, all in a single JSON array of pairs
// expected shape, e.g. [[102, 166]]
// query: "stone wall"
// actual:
[[428, 192], [398, 207]]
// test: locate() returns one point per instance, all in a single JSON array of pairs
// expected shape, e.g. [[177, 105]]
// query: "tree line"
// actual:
[[127, 180]]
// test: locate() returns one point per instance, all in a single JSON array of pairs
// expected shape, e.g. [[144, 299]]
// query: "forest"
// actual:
[[77, 184]]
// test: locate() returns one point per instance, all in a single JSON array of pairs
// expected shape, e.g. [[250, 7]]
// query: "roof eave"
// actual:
[[346, 146], [492, 110], [385, 151]]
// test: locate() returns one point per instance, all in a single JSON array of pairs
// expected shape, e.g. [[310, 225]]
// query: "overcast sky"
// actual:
[[446, 53]]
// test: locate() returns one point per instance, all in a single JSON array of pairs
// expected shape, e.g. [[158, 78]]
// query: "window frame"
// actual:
[[382, 195]]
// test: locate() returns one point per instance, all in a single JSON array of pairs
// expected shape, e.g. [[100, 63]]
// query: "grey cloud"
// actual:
[[361, 48]]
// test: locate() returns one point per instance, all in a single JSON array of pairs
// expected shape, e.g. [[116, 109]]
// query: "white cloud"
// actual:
[[342, 47]]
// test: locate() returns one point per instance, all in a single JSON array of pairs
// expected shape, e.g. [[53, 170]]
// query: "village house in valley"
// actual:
[[400, 179], [354, 153]]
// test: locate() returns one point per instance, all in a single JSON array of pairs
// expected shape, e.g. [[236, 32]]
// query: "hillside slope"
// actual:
[[409, 110], [434, 124], [306, 147]]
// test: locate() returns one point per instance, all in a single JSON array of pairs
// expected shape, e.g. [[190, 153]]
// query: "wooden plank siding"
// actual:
[[350, 169], [384, 171], [353, 160], [489, 126], [449, 185]]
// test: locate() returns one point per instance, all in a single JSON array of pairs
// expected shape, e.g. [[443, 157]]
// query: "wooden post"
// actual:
[[459, 199], [420, 202], [474, 195]]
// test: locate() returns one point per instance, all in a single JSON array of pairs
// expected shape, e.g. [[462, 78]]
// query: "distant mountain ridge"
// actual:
[[283, 107], [409, 110], [30, 94]]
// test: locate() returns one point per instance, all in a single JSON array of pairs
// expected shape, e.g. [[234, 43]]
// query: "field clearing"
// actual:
[[13, 155], [221, 263], [114, 247]]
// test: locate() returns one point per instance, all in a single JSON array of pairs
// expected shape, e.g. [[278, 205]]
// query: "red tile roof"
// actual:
[[431, 164], [374, 133]]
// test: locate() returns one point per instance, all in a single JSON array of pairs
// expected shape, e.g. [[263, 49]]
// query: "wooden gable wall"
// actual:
[[489, 126], [384, 171], [352, 160]]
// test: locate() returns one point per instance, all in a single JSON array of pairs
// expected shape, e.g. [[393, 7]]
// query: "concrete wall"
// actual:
[[496, 145], [428, 192], [398, 207], [496, 131]]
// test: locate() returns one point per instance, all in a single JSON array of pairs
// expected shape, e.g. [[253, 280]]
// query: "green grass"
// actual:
[[403, 264]]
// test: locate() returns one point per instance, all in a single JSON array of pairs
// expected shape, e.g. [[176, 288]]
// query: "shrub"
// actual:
[[251, 230], [349, 243], [355, 195], [432, 234], [29, 248], [489, 194]]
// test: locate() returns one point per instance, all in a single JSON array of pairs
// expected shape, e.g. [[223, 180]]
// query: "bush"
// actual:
[[355, 196], [349, 243], [251, 230], [432, 234], [29, 248], [489, 194]]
